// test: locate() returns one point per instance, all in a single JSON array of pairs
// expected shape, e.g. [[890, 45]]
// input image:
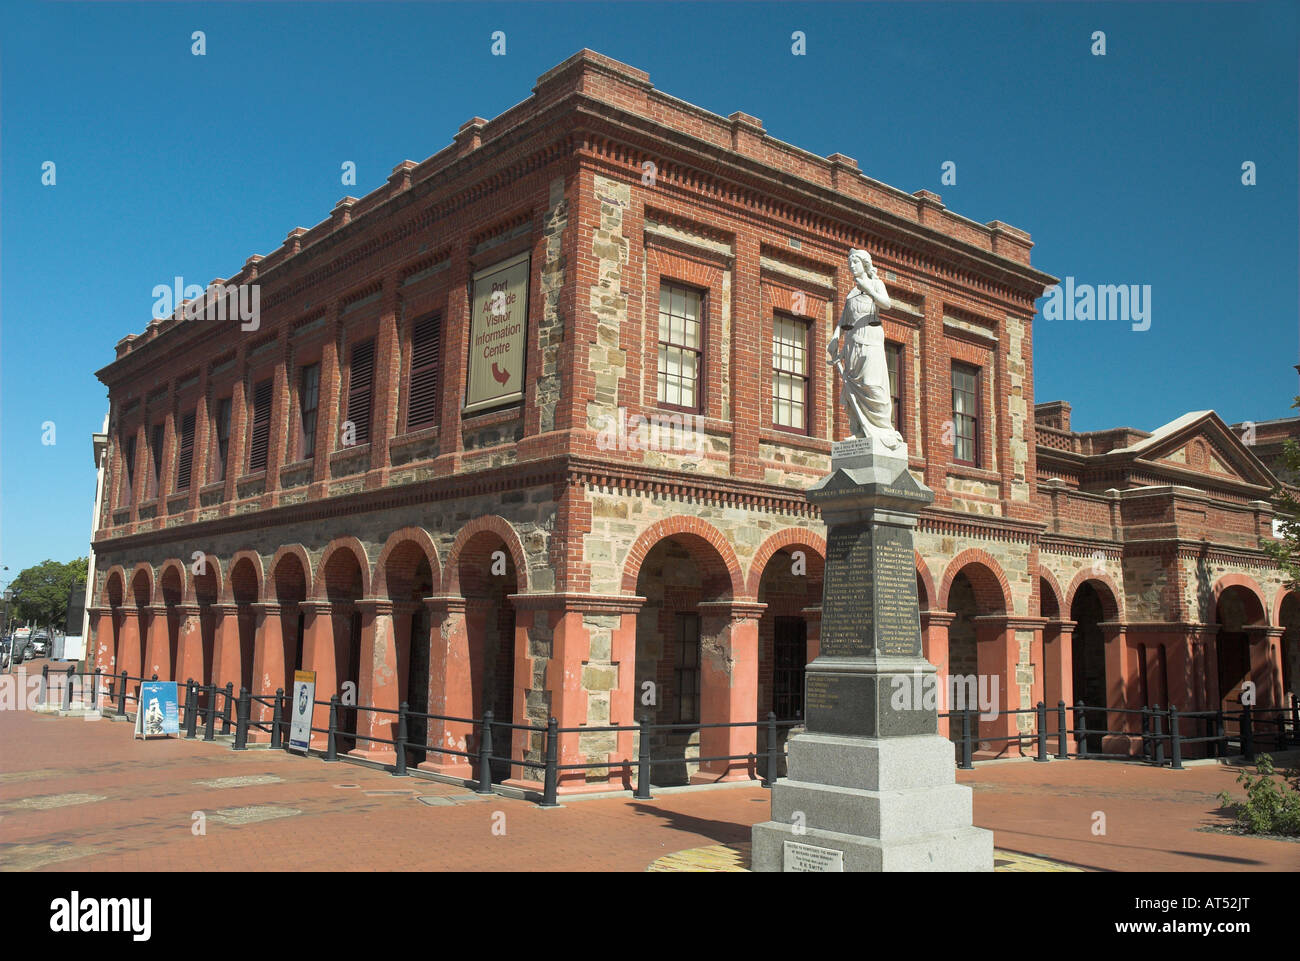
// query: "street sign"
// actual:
[[304, 697]]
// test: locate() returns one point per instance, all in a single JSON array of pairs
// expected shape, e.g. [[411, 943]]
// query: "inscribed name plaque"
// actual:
[[869, 595], [807, 857]]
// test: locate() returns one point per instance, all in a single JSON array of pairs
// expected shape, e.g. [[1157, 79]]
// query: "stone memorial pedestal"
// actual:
[[871, 783]]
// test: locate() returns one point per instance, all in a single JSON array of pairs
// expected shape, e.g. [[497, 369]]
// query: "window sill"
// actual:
[[774, 435], [956, 469]]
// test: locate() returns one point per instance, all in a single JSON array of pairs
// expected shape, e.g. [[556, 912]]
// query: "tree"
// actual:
[[41, 593], [1286, 550]]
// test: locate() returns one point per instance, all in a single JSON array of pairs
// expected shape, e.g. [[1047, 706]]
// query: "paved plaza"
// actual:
[[79, 795]]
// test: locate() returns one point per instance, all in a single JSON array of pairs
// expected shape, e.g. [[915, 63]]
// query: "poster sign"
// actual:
[[498, 334], [156, 713], [304, 697]]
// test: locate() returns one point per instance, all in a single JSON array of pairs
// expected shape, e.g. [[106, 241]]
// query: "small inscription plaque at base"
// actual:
[[806, 857]]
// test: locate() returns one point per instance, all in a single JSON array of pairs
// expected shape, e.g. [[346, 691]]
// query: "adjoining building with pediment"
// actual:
[[527, 429]]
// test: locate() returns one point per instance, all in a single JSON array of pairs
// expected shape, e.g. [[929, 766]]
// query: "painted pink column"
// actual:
[[996, 657], [158, 649], [1266, 665], [189, 644], [934, 647], [728, 687], [450, 691], [268, 665], [625, 706], [226, 656], [378, 686], [1058, 672], [813, 618], [128, 644], [1122, 690], [318, 656], [105, 644]]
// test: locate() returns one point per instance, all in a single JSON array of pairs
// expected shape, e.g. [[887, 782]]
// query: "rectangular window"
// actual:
[[156, 456], [422, 389], [965, 414], [789, 373], [308, 401], [680, 313], [128, 455], [259, 445], [185, 457], [686, 672], [222, 432], [360, 379], [894, 361]]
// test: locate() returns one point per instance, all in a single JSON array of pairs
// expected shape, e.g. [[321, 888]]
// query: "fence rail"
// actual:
[[1161, 731]]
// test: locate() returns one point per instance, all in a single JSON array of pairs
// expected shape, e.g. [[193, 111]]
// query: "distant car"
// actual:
[[40, 646]]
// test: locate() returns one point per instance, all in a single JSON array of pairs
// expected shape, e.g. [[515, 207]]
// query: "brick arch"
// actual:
[[118, 572], [347, 543], [991, 589], [686, 270], [1283, 593], [1110, 597], [689, 527], [1240, 580], [215, 576], [255, 559], [182, 573], [422, 539], [133, 591], [925, 580], [492, 524], [1046, 577], [304, 559], [789, 537]]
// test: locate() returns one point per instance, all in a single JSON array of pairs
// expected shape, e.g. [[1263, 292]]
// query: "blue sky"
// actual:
[[1125, 168]]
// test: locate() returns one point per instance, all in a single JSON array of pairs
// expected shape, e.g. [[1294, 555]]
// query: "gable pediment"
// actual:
[[1202, 445]]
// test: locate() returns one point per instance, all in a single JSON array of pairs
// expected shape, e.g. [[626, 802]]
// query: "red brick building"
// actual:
[[408, 473]]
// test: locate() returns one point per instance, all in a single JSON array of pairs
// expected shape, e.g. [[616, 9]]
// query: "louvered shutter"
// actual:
[[426, 352], [156, 451], [261, 440], [185, 462], [361, 377]]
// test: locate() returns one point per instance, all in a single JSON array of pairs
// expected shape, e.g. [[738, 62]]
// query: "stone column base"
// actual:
[[871, 805]]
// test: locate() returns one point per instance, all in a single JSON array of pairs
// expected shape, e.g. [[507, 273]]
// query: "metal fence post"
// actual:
[[967, 759], [67, 691], [1081, 729], [1220, 734], [94, 692], [1247, 733], [1282, 744], [121, 698], [1062, 745], [1295, 715], [1042, 732], [1175, 740], [1146, 732], [225, 711], [1157, 734], [210, 730], [285, 722], [331, 740], [276, 718], [485, 756], [551, 778], [642, 792], [773, 755], [241, 720], [399, 762], [45, 685], [191, 708]]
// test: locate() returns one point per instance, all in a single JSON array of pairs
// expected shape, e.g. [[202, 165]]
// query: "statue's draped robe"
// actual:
[[866, 374]]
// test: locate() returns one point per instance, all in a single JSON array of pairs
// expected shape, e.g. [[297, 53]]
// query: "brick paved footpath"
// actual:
[[77, 795]]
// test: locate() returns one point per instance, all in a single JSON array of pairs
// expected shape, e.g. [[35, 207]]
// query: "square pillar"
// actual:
[[728, 689], [378, 686], [450, 688], [318, 656], [934, 648]]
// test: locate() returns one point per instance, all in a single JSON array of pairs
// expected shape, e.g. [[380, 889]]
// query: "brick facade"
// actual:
[[512, 560]]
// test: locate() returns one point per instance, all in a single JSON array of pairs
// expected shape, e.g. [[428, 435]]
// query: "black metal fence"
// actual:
[[1164, 732]]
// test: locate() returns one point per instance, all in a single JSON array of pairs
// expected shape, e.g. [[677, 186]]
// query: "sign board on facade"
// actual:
[[304, 697], [498, 334], [156, 714]]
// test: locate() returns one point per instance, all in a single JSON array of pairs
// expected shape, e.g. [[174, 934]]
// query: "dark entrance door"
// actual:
[[417, 687], [1234, 667], [789, 658], [1090, 664]]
